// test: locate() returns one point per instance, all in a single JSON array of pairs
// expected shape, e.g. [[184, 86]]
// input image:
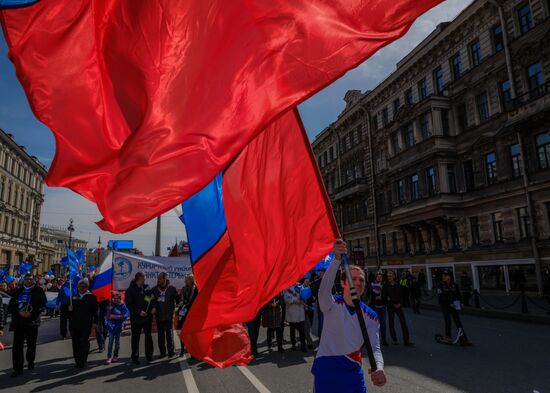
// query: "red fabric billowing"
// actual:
[[150, 100], [279, 225]]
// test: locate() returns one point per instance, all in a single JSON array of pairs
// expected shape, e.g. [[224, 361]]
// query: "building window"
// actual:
[[13, 229], [415, 189], [469, 175], [475, 53], [409, 97], [474, 229], [385, 117], [498, 38], [6, 225], [491, 167], [1, 191], [456, 66], [375, 122], [482, 107], [506, 96], [524, 223], [535, 80], [367, 246], [401, 192], [325, 158], [445, 129], [462, 117], [8, 198], [543, 149], [388, 205], [430, 181], [394, 242], [454, 236], [395, 142], [383, 247], [423, 89], [438, 80], [331, 153], [425, 125], [451, 177], [396, 105], [525, 18], [515, 159], [408, 132], [497, 226]]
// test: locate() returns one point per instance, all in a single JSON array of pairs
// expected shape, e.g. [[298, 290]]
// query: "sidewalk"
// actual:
[[501, 305]]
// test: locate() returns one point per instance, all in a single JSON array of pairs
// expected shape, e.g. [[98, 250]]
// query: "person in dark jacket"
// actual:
[[466, 286], [82, 317], [392, 292], [188, 295], [377, 303], [415, 292], [166, 298], [139, 299], [449, 299], [272, 319], [26, 304], [62, 303]]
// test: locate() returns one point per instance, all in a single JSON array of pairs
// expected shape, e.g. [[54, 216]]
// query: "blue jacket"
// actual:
[[115, 317]]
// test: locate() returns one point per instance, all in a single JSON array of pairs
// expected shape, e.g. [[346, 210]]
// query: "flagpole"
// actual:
[[359, 313]]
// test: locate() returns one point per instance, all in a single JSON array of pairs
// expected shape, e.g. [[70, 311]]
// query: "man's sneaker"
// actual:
[[16, 373], [135, 361], [115, 359], [108, 361]]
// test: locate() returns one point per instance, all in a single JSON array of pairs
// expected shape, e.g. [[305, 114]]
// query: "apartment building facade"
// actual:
[[445, 164]]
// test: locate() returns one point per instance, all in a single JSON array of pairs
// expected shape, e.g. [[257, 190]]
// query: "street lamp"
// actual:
[[98, 249], [71, 230]]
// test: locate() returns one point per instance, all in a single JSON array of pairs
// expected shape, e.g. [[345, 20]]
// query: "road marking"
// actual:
[[190, 383], [253, 380]]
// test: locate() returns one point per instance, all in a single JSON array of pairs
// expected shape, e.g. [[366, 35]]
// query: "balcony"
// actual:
[[523, 107], [421, 150], [356, 186]]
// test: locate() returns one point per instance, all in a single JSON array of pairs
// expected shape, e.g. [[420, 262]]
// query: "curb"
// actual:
[[540, 319]]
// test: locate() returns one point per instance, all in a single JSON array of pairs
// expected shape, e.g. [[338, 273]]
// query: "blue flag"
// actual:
[[9, 279], [325, 263], [50, 272], [81, 256], [64, 261], [74, 268], [24, 268]]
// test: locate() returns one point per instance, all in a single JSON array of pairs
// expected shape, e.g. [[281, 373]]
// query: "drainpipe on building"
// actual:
[[531, 211], [506, 49], [371, 170]]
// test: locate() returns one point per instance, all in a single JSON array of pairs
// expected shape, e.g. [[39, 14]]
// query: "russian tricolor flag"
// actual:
[[253, 231], [102, 284]]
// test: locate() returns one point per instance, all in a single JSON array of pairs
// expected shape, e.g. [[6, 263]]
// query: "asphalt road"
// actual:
[[507, 357]]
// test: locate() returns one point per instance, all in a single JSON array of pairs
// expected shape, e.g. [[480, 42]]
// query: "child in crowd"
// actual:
[[116, 314]]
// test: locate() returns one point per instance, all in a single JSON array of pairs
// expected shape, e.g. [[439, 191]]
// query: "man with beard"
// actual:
[[166, 298]]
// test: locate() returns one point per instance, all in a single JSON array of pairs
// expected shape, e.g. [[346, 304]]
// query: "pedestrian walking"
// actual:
[[253, 328], [188, 295], [337, 365], [306, 295], [25, 307], [450, 301], [82, 315], [272, 319], [138, 299], [116, 314], [378, 304], [166, 298], [415, 292], [392, 293], [295, 315], [62, 304]]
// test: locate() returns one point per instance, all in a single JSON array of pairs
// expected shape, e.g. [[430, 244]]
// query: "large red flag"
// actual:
[[150, 100], [253, 232]]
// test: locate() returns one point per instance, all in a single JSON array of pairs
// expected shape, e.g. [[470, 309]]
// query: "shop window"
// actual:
[[491, 278]]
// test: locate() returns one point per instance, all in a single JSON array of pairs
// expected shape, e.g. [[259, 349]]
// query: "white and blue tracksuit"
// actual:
[[337, 366]]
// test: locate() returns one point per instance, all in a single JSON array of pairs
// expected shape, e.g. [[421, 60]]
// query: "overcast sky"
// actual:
[[318, 112]]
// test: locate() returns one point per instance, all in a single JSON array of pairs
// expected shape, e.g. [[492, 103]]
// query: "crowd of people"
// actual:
[[80, 313], [318, 303]]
